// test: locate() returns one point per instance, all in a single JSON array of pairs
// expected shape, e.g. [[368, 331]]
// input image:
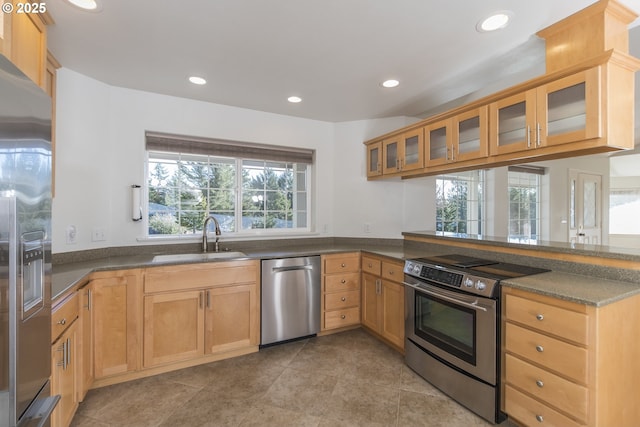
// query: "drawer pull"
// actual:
[[343, 265], [370, 265], [343, 281], [539, 317], [390, 272], [62, 322], [539, 348], [539, 418], [539, 383], [343, 299], [343, 317]]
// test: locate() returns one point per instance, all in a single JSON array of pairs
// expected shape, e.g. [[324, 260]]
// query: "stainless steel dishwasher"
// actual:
[[290, 298]]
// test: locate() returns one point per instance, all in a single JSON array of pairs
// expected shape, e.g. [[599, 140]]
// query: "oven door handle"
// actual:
[[473, 305]]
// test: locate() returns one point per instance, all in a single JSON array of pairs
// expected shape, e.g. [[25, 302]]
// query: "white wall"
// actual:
[[100, 152]]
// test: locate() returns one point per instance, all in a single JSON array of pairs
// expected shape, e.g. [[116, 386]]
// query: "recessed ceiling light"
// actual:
[[390, 83], [197, 80], [495, 21], [294, 99], [89, 5]]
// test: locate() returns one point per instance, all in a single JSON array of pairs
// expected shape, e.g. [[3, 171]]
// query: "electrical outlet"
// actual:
[[72, 234], [97, 234], [366, 227]]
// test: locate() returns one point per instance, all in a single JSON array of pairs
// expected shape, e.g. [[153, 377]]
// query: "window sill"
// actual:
[[230, 237]]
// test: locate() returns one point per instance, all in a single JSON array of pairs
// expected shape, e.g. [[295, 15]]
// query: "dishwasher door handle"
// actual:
[[291, 268]]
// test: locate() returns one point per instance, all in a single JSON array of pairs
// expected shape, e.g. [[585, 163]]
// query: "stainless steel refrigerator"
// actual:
[[25, 250]]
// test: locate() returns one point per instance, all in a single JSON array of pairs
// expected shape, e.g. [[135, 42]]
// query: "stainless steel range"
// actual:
[[452, 326]]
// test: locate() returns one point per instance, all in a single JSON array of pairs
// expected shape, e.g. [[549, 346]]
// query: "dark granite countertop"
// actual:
[[600, 251], [573, 287], [70, 276]]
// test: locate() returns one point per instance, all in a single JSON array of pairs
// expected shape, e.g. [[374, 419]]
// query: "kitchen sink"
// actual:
[[201, 256]]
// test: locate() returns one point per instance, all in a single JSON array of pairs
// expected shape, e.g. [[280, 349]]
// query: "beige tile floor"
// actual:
[[346, 379]]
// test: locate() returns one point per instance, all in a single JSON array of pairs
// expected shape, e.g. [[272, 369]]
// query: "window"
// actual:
[[624, 205], [190, 179], [459, 203], [524, 204]]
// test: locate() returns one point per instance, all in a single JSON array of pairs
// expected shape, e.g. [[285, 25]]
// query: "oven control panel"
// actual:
[[451, 277]]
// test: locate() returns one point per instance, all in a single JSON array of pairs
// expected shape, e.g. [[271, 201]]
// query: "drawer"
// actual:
[[392, 271], [547, 318], [341, 282], [531, 412], [198, 276], [63, 315], [371, 265], [340, 318], [342, 263], [558, 356], [341, 300], [543, 385]]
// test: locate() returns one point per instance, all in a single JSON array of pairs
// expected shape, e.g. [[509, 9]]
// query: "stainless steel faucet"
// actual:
[[205, 242]]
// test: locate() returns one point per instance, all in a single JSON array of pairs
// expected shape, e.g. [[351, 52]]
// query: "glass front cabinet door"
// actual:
[[438, 143], [413, 150], [374, 159], [470, 135], [391, 155], [563, 111], [403, 152]]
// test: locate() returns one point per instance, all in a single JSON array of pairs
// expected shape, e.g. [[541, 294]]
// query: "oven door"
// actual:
[[455, 327]]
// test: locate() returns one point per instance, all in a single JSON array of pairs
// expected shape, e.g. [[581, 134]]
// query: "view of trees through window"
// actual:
[[524, 206], [184, 189], [459, 203]]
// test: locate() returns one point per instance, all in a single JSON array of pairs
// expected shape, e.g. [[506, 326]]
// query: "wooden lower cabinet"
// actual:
[[340, 304], [383, 299], [65, 360], [115, 318], [191, 323], [570, 364], [86, 377]]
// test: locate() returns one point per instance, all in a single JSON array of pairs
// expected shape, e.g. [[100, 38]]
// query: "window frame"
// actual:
[[303, 168], [475, 207], [530, 173]]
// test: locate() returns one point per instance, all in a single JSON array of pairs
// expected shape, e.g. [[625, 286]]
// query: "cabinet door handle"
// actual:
[[539, 418], [446, 153], [528, 136], [68, 355], [538, 135], [200, 297], [208, 299], [453, 153], [539, 317], [539, 348], [62, 321], [61, 349], [539, 383], [88, 306]]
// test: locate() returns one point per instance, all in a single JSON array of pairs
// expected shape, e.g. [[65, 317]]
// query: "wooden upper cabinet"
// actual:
[[23, 39], [391, 155], [459, 138], [562, 111], [374, 159], [471, 135], [403, 152], [29, 46], [412, 150], [438, 142]]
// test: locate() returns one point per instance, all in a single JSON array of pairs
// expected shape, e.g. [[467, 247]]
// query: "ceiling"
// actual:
[[332, 53]]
